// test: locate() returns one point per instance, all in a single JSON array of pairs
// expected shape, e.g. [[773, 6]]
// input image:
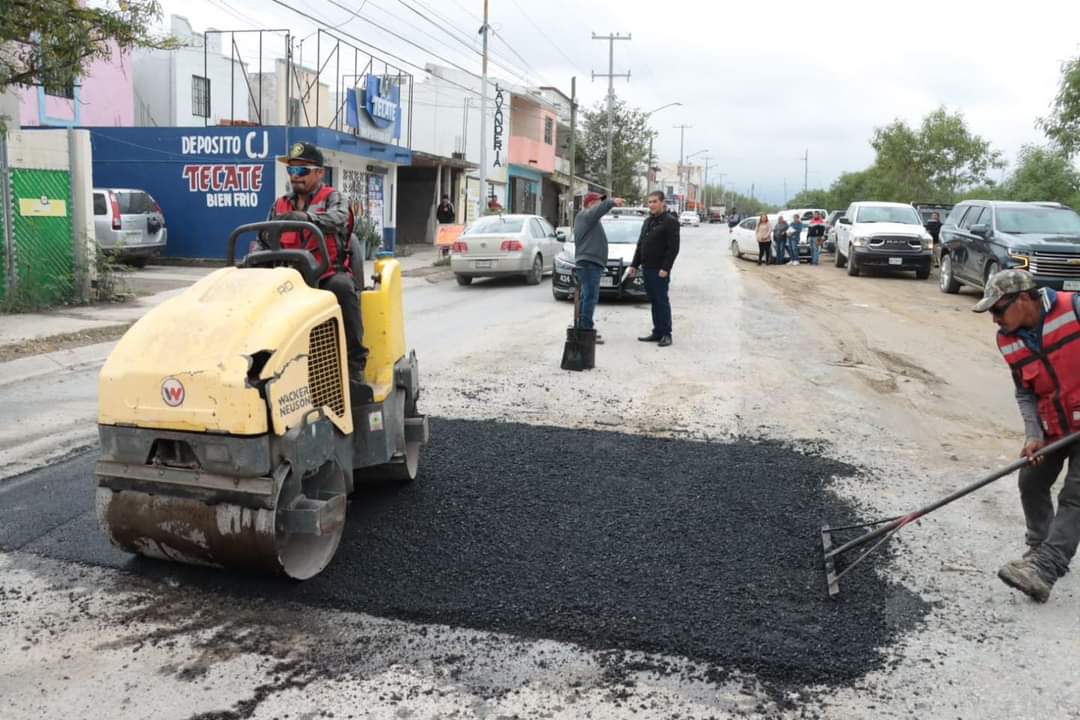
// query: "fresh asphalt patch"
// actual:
[[704, 550]]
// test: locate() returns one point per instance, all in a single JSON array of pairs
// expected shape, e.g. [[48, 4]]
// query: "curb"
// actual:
[[36, 366]]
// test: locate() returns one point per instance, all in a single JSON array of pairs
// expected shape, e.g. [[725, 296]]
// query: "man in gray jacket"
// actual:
[[591, 253]]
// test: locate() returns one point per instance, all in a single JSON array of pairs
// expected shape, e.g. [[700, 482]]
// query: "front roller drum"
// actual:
[[297, 537]]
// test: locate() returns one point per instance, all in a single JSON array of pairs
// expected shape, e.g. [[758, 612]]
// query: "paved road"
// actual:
[[886, 373]]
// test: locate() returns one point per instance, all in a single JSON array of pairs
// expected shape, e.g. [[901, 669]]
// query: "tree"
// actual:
[[811, 199], [630, 147], [934, 162], [745, 204], [1062, 125], [952, 156], [1043, 173], [53, 42]]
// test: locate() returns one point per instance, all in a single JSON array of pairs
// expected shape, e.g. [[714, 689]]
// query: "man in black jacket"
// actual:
[[657, 247]]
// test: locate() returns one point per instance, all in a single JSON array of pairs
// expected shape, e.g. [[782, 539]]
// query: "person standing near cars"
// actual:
[[816, 235], [794, 233], [1039, 337], [780, 239], [445, 212], [764, 239], [657, 248], [933, 226], [591, 254]]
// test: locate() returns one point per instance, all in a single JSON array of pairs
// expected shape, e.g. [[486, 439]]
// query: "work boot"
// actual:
[[665, 341], [651, 337], [1024, 576]]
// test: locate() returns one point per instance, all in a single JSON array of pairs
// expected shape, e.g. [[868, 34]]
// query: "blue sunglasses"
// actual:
[[299, 170]]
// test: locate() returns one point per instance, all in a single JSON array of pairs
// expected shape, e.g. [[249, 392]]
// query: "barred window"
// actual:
[[549, 131], [200, 96]]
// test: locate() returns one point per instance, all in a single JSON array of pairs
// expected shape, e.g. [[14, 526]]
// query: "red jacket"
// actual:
[[329, 213], [1053, 373]]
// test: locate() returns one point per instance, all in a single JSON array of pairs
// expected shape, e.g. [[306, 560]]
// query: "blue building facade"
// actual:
[[210, 180]]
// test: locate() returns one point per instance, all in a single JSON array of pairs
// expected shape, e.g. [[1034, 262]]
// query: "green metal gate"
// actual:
[[42, 249]]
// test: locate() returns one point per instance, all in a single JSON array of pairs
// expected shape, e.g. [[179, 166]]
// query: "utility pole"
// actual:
[[610, 75], [805, 168], [573, 146], [483, 118], [682, 157], [784, 202]]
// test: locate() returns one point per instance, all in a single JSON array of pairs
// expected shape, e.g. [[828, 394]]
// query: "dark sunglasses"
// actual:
[[1000, 310], [299, 170]]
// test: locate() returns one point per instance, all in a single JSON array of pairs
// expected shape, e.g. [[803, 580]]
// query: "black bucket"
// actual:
[[579, 353]]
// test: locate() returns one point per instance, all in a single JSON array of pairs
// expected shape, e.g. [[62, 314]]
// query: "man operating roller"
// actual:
[[313, 201], [1039, 336]]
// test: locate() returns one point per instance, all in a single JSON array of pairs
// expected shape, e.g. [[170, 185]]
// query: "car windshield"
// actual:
[[1038, 220], [496, 225], [888, 213], [622, 232]]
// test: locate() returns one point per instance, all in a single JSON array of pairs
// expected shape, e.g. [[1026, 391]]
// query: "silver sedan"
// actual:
[[502, 245]]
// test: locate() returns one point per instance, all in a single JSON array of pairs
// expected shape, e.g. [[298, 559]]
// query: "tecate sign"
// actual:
[[226, 185], [250, 145], [381, 99]]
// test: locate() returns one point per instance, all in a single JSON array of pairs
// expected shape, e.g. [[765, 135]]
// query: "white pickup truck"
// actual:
[[883, 235]]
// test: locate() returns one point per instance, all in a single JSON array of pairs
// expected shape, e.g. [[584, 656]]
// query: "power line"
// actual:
[[510, 47], [545, 36], [508, 67]]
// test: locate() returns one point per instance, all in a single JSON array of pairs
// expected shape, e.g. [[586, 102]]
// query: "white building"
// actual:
[[681, 184], [185, 87], [298, 98]]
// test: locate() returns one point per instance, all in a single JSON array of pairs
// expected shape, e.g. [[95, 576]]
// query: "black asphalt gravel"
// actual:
[[708, 551]]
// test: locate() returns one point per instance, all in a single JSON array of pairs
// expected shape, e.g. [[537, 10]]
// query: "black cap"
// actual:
[[303, 152]]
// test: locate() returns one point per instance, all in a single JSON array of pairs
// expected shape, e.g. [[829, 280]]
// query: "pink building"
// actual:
[[104, 97]]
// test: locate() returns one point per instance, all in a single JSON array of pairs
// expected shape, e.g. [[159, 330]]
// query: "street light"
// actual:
[[649, 174]]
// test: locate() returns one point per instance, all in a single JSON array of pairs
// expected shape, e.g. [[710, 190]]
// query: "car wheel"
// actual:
[[537, 273], [838, 259], [852, 268], [991, 269], [946, 281], [735, 249], [463, 280]]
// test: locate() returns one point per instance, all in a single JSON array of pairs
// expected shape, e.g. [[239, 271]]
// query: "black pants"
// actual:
[[344, 290], [1055, 534], [657, 288], [764, 253]]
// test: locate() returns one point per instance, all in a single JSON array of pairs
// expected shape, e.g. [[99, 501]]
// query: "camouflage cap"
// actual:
[[1003, 284]]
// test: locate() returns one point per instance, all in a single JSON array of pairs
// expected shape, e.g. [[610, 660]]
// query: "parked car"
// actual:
[[804, 213], [622, 234], [830, 233], [129, 224], [884, 235], [689, 217], [980, 237], [633, 211], [505, 245], [744, 238]]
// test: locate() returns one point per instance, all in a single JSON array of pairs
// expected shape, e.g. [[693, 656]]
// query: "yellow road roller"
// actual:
[[230, 433]]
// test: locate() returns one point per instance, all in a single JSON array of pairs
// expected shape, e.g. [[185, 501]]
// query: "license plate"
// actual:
[[896, 261], [133, 237], [564, 278], [483, 264], [1071, 285], [607, 281]]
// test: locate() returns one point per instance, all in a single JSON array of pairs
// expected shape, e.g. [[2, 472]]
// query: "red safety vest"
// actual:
[[291, 240], [1054, 373]]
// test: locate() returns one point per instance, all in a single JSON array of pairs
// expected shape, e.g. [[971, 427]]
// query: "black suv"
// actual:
[[981, 237]]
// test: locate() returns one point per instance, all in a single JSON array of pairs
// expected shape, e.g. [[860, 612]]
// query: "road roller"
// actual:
[[231, 434]]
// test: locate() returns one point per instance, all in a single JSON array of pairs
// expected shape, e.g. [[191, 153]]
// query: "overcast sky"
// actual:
[[758, 85]]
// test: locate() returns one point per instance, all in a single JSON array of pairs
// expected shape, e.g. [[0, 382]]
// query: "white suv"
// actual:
[[884, 235]]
